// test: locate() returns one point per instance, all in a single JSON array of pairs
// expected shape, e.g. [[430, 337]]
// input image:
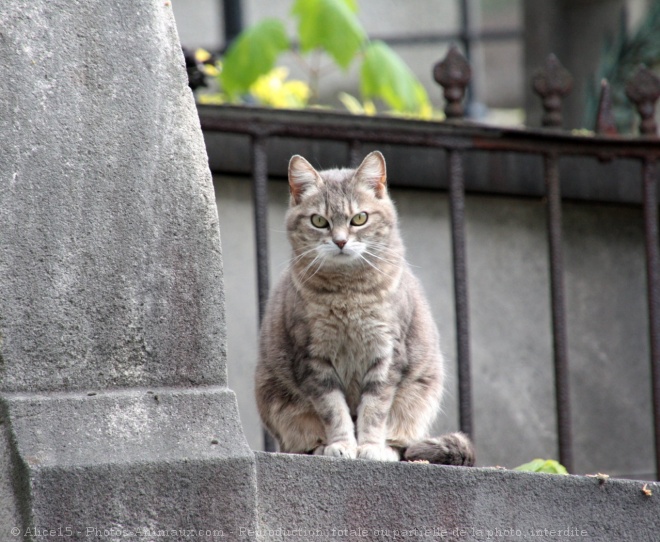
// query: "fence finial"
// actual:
[[551, 83], [644, 90], [454, 74], [605, 123]]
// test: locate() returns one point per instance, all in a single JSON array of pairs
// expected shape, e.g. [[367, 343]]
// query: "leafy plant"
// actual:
[[252, 55], [325, 28], [543, 465], [619, 60]]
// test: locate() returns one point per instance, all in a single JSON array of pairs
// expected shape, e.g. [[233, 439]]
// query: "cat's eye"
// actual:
[[359, 219], [319, 221]]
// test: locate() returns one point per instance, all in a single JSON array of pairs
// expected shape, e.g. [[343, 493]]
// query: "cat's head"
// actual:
[[341, 218]]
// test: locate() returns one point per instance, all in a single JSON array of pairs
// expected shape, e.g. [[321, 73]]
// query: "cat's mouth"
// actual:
[[340, 255], [344, 255]]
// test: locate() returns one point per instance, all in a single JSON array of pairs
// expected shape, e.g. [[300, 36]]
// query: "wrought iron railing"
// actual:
[[457, 137]]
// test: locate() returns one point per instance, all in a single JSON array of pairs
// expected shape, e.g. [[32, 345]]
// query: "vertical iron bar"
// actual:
[[466, 40], [653, 290], [558, 303], [260, 202], [354, 152], [457, 213], [233, 20]]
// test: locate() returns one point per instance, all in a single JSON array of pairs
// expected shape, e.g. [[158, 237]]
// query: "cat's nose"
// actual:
[[340, 242]]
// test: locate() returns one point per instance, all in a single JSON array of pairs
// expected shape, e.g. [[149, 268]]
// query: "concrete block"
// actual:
[[317, 498], [124, 464]]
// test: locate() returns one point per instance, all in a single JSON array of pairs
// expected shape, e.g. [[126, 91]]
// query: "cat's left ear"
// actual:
[[372, 172]]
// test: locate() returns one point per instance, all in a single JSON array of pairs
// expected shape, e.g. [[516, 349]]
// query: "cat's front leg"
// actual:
[[373, 412], [324, 387]]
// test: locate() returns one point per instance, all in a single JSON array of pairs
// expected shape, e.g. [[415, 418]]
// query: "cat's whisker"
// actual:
[[386, 260], [376, 267], [309, 265], [313, 274], [318, 268], [386, 249], [303, 254], [303, 275], [295, 260]]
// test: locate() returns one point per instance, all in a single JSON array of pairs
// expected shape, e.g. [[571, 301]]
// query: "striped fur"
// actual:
[[350, 363]]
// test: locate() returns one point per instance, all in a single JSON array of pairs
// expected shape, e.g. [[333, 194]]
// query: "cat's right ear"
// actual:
[[302, 178]]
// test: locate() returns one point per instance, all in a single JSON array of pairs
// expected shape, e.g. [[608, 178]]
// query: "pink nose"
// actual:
[[339, 242]]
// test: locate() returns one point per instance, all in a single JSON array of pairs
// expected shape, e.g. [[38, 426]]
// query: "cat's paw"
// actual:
[[341, 449], [377, 452]]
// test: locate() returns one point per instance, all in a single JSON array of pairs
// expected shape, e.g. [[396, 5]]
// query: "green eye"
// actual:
[[319, 221], [359, 219]]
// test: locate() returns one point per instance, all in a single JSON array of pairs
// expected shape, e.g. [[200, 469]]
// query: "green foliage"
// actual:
[[543, 465], [384, 75], [330, 27], [252, 55], [619, 61]]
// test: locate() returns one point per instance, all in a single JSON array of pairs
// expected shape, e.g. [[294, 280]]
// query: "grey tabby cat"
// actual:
[[350, 364]]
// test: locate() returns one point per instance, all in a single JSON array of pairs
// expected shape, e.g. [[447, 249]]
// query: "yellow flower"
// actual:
[[202, 55], [274, 90], [204, 58], [354, 106], [211, 99]]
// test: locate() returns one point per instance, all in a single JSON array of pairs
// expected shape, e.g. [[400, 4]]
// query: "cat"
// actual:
[[350, 364]]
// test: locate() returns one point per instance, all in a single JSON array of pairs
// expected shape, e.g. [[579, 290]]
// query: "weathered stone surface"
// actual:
[[390, 501], [127, 462], [110, 268], [115, 418]]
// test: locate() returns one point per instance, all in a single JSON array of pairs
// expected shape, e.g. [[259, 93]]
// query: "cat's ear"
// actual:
[[302, 177], [372, 173]]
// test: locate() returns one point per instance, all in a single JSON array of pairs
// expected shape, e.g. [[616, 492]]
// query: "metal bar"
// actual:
[[650, 199], [560, 348], [466, 40], [466, 27], [457, 213], [492, 35], [354, 152], [260, 202], [486, 35], [233, 20], [343, 127]]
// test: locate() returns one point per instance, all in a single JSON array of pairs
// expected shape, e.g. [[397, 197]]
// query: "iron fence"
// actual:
[[457, 138]]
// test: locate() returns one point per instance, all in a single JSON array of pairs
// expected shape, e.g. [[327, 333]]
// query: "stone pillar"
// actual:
[[115, 415]]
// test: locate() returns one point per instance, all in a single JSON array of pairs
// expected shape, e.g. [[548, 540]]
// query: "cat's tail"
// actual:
[[449, 449]]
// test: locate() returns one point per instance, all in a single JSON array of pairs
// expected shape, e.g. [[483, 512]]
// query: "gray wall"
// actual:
[[510, 320]]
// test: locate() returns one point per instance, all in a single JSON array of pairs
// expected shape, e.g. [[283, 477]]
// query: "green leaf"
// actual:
[[252, 55], [385, 75], [330, 25], [543, 465]]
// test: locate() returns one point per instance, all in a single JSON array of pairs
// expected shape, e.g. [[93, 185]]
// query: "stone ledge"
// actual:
[[428, 502], [132, 460], [106, 427]]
